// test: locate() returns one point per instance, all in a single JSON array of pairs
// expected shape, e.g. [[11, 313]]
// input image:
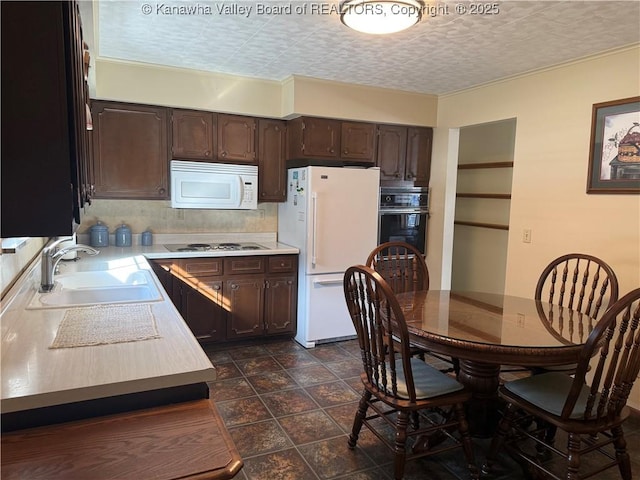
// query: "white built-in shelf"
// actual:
[[501, 196], [470, 166], [495, 226]]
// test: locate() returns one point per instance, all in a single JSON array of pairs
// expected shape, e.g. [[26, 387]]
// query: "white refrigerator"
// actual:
[[331, 215]]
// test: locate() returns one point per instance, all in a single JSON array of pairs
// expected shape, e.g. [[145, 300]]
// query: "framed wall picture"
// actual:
[[614, 153]]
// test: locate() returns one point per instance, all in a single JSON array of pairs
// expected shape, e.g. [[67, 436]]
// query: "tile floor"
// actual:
[[289, 411]]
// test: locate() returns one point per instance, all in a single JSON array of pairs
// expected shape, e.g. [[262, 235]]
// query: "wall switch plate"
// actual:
[[526, 235]]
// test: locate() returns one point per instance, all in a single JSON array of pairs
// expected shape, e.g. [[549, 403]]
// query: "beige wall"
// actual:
[[553, 112], [157, 85]]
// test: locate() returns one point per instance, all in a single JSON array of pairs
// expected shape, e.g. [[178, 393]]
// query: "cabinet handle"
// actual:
[[397, 175], [207, 153], [224, 154], [161, 190], [331, 150], [409, 175], [346, 152]]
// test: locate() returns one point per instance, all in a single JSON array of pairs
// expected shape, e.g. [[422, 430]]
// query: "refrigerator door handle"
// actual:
[[335, 281], [314, 207]]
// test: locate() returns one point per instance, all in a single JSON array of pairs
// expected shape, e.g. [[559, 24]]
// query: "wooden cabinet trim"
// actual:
[[282, 264], [244, 265], [201, 266]]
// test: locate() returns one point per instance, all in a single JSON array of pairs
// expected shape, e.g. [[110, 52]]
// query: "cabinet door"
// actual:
[[193, 134], [236, 139], [272, 152], [280, 305], [321, 137], [391, 151], [358, 141], [42, 127], [162, 269], [418, 168], [245, 297], [130, 151], [203, 308]]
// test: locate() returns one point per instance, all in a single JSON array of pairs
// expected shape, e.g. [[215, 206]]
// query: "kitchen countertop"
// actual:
[[34, 375], [159, 251]]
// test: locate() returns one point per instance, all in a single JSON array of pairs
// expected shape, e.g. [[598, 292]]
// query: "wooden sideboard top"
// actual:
[[185, 440]]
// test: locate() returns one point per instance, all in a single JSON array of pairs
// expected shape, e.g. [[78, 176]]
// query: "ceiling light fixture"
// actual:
[[380, 16]]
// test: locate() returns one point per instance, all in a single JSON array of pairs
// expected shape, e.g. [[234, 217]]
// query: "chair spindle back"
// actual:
[[401, 265], [614, 347], [381, 329], [580, 283]]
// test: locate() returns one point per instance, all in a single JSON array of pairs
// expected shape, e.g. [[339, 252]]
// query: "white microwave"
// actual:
[[213, 185]]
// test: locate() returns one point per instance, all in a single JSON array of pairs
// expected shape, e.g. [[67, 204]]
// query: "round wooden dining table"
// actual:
[[487, 332]]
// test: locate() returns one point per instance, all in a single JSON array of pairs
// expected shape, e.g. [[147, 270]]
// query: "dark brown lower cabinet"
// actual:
[[281, 294], [235, 297], [246, 300], [202, 306]]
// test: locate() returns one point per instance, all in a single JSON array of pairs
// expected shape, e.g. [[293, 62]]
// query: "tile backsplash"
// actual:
[[159, 217]]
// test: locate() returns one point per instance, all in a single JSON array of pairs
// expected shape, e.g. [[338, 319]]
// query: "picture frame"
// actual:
[[614, 151]]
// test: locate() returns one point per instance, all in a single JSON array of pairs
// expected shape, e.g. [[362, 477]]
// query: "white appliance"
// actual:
[[331, 215], [213, 185]]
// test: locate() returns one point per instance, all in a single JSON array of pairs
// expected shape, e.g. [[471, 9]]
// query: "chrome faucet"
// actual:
[[51, 256]]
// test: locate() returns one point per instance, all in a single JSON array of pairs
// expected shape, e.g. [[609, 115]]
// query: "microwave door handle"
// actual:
[[240, 190], [314, 212]]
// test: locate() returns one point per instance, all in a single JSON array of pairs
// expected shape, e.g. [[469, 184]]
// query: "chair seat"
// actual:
[[429, 382], [549, 391]]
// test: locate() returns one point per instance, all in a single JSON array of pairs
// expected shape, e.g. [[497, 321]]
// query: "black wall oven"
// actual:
[[403, 215]]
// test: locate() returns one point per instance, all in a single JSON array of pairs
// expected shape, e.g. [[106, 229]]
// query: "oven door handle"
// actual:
[[404, 210]]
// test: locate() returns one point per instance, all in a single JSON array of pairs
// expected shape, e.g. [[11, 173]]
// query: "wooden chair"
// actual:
[[396, 385], [591, 410], [404, 269], [401, 265], [581, 283]]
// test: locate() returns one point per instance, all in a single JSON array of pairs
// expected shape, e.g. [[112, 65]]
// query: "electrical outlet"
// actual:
[[260, 213], [520, 319], [526, 235]]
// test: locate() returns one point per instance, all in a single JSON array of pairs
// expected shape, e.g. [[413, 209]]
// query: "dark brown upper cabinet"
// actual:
[[130, 151], [391, 151], [419, 146], [44, 123], [272, 153], [404, 155], [358, 141], [311, 137], [236, 138], [194, 135]]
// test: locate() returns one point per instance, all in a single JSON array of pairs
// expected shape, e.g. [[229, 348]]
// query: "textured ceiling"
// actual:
[[444, 53]]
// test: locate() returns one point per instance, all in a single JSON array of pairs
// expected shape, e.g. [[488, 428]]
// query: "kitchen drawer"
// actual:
[[242, 265], [282, 264], [198, 267]]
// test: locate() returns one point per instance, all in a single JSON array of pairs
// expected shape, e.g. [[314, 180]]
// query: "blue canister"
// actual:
[[99, 235], [146, 238], [123, 236]]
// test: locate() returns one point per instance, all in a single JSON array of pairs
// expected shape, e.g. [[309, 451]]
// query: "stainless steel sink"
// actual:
[[100, 287]]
